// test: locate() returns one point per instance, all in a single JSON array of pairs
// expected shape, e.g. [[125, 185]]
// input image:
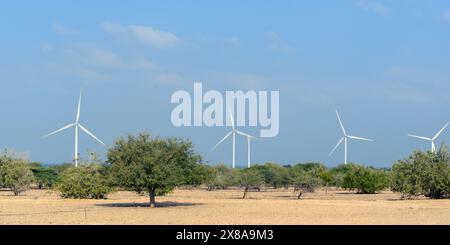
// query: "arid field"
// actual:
[[223, 207]]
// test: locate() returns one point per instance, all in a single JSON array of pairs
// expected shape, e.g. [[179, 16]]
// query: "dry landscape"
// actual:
[[223, 207]]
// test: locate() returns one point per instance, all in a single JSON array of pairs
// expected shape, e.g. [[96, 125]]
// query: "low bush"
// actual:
[[423, 174], [15, 174], [84, 182], [222, 177], [365, 180]]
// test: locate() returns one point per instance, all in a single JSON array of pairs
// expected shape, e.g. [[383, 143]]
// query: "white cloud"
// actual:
[[244, 80], [403, 93], [143, 34], [93, 56], [64, 30], [277, 44], [375, 7]]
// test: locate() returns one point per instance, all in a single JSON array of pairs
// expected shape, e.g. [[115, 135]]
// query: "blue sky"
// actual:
[[383, 64]]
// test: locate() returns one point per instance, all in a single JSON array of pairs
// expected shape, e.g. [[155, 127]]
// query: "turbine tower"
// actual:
[[233, 133], [345, 140], [433, 145], [249, 140], [77, 126]]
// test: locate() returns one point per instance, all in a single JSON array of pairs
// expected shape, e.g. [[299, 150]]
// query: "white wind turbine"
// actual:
[[76, 125], [345, 139], [433, 145], [233, 133]]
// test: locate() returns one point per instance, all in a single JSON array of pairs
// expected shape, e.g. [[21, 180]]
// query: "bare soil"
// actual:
[[223, 207]]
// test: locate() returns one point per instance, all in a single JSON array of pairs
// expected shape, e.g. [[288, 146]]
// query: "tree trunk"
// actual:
[[300, 195], [245, 192], [152, 198]]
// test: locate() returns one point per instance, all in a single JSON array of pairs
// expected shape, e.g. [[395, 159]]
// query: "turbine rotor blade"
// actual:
[[420, 137], [340, 122], [232, 119], [359, 138], [337, 145], [79, 106], [91, 134], [222, 140], [440, 132], [246, 135], [59, 130]]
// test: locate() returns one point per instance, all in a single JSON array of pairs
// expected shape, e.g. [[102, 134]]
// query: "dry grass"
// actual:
[[223, 207]]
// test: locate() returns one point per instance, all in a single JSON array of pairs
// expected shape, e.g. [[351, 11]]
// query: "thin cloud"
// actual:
[[143, 34], [277, 44], [93, 56], [446, 15], [375, 7], [64, 30], [46, 46], [233, 41]]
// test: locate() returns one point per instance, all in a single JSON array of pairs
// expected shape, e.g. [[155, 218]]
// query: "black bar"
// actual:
[[225, 234]]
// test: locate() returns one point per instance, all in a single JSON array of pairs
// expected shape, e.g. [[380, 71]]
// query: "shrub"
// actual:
[[84, 182], [15, 174], [423, 173], [222, 177], [274, 174], [365, 180]]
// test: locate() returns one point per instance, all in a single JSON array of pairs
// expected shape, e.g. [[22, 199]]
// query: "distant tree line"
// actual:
[[156, 166]]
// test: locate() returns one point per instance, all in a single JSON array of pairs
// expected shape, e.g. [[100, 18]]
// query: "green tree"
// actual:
[[423, 173], [44, 176], [250, 178], [274, 174], [305, 180], [365, 180], [15, 174], [152, 165], [222, 177], [84, 182]]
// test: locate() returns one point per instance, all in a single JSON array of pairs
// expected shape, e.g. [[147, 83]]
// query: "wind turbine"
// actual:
[[433, 145], [77, 126], [233, 133], [345, 139]]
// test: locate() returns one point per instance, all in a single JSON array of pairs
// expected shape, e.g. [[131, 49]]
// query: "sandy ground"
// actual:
[[223, 207]]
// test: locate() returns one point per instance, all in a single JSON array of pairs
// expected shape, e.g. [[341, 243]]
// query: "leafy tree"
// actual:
[[250, 178], [84, 182], [152, 165], [199, 174], [305, 180], [15, 174], [365, 180], [44, 176], [423, 173], [222, 177], [326, 179], [274, 174]]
